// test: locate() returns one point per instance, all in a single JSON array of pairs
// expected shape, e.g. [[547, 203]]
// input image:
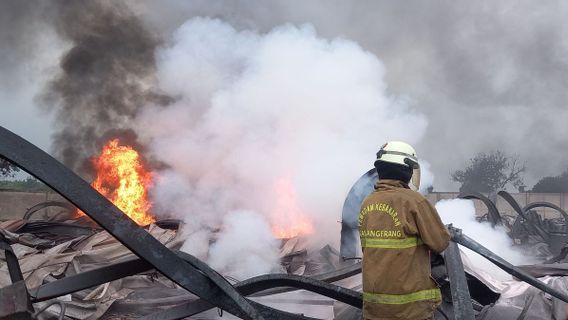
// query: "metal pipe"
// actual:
[[11, 260], [515, 205], [79, 193], [545, 204], [461, 300], [494, 216], [459, 237]]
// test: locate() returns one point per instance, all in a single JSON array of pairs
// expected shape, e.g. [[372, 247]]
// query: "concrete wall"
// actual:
[[13, 205], [559, 199]]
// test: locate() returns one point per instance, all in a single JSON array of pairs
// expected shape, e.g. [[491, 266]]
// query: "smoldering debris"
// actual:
[[66, 245], [155, 253], [228, 102]]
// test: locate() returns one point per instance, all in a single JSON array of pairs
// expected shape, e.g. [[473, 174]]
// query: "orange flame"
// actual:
[[288, 219], [122, 179]]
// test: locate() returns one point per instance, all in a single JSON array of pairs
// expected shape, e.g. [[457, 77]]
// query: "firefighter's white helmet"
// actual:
[[401, 153]]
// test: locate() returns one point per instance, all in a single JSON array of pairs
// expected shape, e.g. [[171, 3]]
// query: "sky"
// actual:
[[485, 75]]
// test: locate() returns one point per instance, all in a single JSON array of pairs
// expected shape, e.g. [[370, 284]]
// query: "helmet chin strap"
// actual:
[[415, 180]]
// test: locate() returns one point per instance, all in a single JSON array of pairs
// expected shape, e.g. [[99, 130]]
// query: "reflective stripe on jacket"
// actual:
[[398, 227], [390, 243], [383, 298]]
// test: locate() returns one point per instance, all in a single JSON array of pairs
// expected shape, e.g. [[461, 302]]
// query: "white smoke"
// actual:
[[461, 213], [246, 247], [426, 176], [264, 120]]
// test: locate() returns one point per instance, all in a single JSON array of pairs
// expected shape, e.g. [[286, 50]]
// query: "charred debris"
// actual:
[[103, 265]]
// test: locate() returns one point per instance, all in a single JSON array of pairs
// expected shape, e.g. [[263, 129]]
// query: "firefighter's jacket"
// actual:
[[398, 228]]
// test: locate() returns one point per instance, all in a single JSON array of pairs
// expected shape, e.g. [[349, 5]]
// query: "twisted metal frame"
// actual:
[[521, 213], [190, 273], [544, 204], [494, 217], [187, 271], [47, 204], [554, 240]]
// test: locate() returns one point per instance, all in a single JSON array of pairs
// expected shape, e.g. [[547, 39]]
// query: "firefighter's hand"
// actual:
[[454, 232]]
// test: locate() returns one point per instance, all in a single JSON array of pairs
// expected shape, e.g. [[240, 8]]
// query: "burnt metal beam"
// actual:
[[11, 260], [260, 283], [15, 303], [88, 279], [14, 299], [328, 277], [460, 238], [515, 205], [123, 269], [78, 192], [189, 272], [117, 271], [269, 281], [493, 214], [461, 300], [540, 204], [56, 228], [47, 204]]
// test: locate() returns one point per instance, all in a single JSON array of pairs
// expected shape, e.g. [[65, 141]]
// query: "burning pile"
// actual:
[[141, 292], [122, 178], [288, 220]]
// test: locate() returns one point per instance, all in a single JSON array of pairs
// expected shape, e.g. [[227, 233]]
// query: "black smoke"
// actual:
[[490, 75], [105, 78], [20, 23]]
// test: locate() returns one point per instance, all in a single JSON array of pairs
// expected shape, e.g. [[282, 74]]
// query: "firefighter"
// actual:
[[398, 228]]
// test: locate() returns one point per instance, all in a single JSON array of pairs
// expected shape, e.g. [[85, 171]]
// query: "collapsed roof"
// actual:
[[128, 271]]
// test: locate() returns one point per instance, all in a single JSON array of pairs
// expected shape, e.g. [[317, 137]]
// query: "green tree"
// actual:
[[557, 184], [7, 169], [28, 185], [489, 172]]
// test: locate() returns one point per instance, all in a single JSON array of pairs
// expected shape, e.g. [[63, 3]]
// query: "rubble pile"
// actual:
[[65, 246], [71, 267]]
